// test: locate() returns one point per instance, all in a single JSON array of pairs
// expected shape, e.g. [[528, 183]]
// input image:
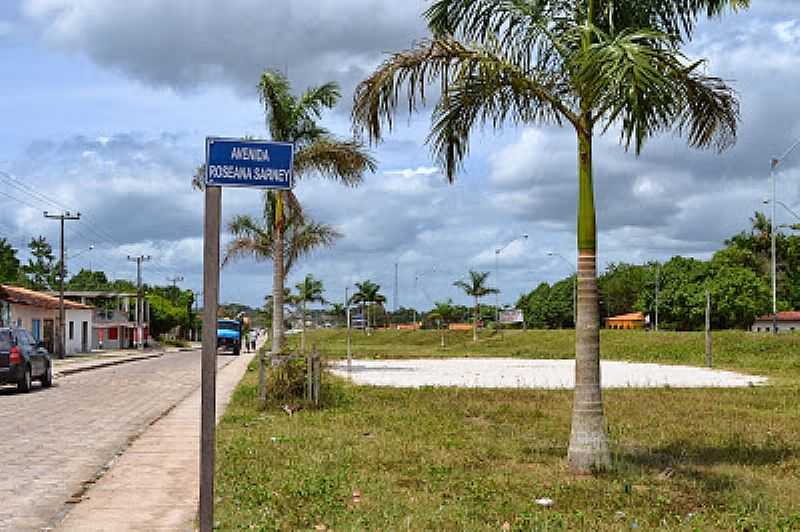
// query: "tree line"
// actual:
[[169, 305], [736, 276]]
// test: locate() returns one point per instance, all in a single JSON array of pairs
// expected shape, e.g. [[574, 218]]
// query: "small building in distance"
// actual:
[[37, 312], [632, 320], [114, 320], [788, 321]]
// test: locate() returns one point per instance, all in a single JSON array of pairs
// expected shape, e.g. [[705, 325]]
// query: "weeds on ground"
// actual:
[[456, 459]]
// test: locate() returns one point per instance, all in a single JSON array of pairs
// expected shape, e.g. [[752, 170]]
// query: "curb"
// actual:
[[104, 364]]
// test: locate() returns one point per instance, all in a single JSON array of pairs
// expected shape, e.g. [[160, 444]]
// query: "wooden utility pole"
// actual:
[[139, 298], [208, 368], [61, 344], [708, 329]]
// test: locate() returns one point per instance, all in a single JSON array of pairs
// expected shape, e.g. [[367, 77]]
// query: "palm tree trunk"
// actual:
[[277, 289], [588, 445], [303, 333], [475, 321]]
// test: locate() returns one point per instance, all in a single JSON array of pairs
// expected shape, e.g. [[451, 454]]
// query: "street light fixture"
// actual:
[[788, 209], [774, 163], [574, 284], [497, 251]]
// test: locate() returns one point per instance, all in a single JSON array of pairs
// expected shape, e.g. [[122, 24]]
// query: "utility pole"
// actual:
[[396, 270], [708, 328], [61, 344], [175, 280], [139, 299]]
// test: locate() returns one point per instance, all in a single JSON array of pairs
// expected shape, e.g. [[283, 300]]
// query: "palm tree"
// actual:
[[366, 293], [295, 118], [308, 291], [476, 287], [592, 64], [261, 240], [443, 313]]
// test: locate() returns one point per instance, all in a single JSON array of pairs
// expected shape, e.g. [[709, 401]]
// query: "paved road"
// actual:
[[55, 440]]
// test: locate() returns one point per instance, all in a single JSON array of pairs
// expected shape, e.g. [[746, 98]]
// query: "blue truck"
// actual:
[[229, 336]]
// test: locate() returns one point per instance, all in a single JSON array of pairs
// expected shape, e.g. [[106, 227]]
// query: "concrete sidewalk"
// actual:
[[154, 484], [101, 359]]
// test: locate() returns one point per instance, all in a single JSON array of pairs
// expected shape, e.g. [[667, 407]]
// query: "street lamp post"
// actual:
[[774, 163], [574, 284], [497, 251]]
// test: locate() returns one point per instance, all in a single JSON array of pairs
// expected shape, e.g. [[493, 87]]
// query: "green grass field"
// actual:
[[775, 356], [454, 459]]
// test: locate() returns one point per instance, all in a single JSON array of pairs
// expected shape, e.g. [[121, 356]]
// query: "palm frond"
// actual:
[[640, 80], [673, 17], [316, 99], [249, 241], [275, 94], [199, 178], [454, 66], [342, 161], [303, 239], [532, 32]]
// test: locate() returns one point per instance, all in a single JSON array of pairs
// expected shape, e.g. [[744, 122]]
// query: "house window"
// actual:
[[71, 330]]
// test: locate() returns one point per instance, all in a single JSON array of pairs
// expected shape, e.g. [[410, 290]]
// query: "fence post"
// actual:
[[317, 376], [262, 378], [708, 329]]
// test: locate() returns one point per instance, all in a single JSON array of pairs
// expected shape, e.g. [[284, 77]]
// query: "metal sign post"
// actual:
[[229, 163]]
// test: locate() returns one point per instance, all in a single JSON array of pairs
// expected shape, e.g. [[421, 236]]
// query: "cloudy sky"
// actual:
[[105, 106]]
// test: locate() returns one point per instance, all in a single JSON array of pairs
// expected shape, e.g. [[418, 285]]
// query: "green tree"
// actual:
[[620, 286], [88, 280], [308, 291], [42, 269], [368, 293], [592, 64], [476, 288], [444, 311], [295, 119], [9, 263], [283, 235], [681, 295], [738, 297], [536, 307]]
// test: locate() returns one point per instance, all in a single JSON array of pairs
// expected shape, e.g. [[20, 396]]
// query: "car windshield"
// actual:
[[228, 325], [5, 340]]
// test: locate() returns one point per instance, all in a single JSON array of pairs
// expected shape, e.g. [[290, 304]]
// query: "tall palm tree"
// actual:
[[476, 287], [295, 119], [308, 291], [262, 240], [366, 293], [592, 64]]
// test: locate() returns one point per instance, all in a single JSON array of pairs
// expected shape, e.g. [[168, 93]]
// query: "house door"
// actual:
[[85, 337], [48, 335]]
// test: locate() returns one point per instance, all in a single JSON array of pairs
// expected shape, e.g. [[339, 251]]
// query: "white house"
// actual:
[[788, 321], [38, 313], [114, 319]]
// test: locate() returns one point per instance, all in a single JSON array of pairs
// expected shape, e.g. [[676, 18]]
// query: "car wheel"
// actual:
[[236, 351], [24, 385], [47, 378]]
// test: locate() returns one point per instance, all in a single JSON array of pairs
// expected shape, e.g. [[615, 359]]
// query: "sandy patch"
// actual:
[[522, 373]]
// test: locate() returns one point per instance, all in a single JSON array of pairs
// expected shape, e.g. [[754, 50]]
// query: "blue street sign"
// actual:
[[249, 163]]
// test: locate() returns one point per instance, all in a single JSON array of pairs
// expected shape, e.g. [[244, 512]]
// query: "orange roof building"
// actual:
[[787, 320], [632, 320]]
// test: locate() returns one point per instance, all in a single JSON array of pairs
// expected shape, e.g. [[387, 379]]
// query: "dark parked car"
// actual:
[[23, 360]]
